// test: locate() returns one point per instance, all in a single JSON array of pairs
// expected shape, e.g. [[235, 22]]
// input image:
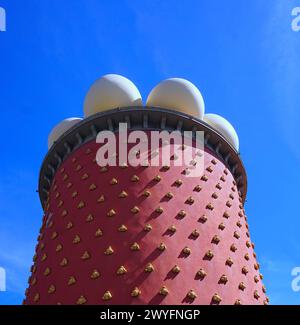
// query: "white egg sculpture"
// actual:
[[61, 128], [178, 94], [111, 91], [224, 127]]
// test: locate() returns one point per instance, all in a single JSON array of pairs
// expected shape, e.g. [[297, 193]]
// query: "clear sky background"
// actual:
[[242, 55]]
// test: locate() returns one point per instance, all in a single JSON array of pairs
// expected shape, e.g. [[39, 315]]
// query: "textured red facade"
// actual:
[[143, 235]]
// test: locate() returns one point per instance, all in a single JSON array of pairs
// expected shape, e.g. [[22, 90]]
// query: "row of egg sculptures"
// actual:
[[112, 91]]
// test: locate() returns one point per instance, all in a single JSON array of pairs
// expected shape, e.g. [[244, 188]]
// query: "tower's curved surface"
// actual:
[[143, 235]]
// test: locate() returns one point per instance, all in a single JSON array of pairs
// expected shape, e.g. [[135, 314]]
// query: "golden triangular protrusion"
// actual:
[[36, 297], [186, 251], [203, 218], [178, 182], [90, 218], [218, 186], [58, 248], [60, 203], [221, 226], [71, 280], [103, 169], [64, 262], [85, 176], [101, 198], [176, 269], [162, 246], [51, 289], [135, 292], [159, 210], [33, 281], [147, 227], [54, 235], [209, 206], [201, 273], [111, 213], [78, 167], [81, 300], [190, 200], [242, 286], [109, 250], [209, 169], [64, 213], [216, 239], [107, 295], [134, 178], [169, 195], [76, 239], [85, 256], [164, 291], [80, 205], [69, 185], [135, 210], [123, 194], [236, 235], [44, 257], [223, 279], [216, 298], [157, 178], [182, 213], [204, 178], [47, 271], [172, 228], [213, 161], [135, 247], [149, 268], [98, 232], [195, 233], [122, 228], [69, 225], [229, 204], [146, 193], [197, 188], [244, 270], [95, 274], [74, 194], [121, 270], [92, 187], [192, 294], [229, 261], [233, 248], [113, 181], [209, 254]]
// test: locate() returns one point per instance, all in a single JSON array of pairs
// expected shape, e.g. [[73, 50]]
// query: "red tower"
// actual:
[[143, 235]]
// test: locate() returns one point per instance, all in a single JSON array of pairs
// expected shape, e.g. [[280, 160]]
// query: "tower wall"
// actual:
[[144, 235]]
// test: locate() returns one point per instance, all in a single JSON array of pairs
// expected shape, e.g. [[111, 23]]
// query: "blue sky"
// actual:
[[242, 55]]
